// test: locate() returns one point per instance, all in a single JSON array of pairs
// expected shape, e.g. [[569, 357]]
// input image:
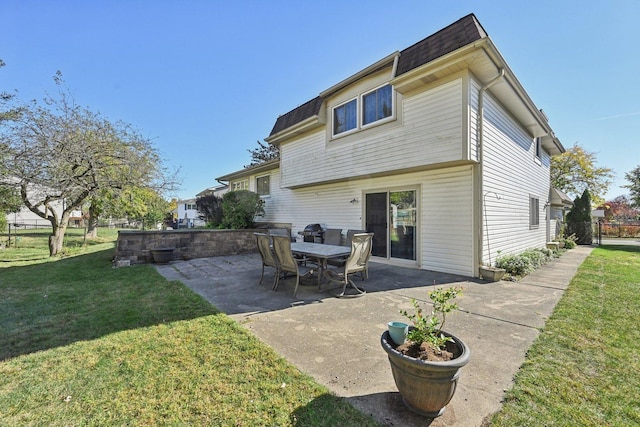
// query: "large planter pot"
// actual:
[[162, 255], [426, 387], [493, 274]]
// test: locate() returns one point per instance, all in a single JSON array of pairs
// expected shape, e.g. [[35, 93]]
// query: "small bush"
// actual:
[[569, 241], [536, 257], [526, 262], [515, 265]]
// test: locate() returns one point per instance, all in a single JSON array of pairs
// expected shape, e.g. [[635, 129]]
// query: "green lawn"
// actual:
[[584, 368], [83, 343]]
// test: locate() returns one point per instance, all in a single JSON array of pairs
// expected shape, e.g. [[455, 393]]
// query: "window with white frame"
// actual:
[[538, 143], [377, 105], [345, 117], [240, 185], [373, 106], [262, 185], [534, 212], [188, 206]]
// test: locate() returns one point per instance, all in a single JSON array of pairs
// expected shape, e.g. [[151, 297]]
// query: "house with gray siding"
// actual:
[[437, 149]]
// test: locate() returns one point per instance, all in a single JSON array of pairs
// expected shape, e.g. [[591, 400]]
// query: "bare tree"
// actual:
[[263, 153], [59, 151]]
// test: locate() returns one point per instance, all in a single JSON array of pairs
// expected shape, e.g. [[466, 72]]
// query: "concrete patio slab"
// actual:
[[337, 340]]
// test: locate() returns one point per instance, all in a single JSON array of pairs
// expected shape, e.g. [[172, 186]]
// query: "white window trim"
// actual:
[[533, 226], [350, 131], [537, 151], [264, 176], [380, 121], [243, 183], [359, 111]]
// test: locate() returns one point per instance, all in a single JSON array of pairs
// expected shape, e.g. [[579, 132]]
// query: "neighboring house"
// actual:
[[25, 218], [187, 215], [437, 149], [217, 191], [559, 205]]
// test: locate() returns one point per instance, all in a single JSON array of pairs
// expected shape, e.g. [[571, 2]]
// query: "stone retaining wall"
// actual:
[[135, 247]]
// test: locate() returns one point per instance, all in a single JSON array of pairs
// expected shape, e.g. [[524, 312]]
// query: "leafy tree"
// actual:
[[619, 209], [9, 202], [575, 170], [9, 197], [58, 150], [579, 219], [263, 153], [210, 206], [633, 177], [239, 208]]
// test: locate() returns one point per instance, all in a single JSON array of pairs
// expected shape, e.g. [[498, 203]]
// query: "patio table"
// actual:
[[322, 253]]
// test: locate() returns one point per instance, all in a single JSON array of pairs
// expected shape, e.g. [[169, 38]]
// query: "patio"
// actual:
[[337, 340]]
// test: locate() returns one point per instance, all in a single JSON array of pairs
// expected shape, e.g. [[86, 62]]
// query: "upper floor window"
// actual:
[[188, 206], [345, 117], [365, 110], [377, 105], [262, 185], [240, 185], [538, 143]]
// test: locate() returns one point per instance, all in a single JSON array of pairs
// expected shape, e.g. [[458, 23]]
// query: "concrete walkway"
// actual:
[[337, 341]]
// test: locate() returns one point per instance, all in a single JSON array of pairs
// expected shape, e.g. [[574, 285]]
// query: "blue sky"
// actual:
[[206, 79]]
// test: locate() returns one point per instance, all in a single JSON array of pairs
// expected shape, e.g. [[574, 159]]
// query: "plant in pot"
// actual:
[[427, 366]]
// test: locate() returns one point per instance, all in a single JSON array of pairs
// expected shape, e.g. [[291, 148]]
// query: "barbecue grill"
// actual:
[[313, 233]]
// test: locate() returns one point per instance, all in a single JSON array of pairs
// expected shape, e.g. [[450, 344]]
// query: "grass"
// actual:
[[584, 368], [87, 344]]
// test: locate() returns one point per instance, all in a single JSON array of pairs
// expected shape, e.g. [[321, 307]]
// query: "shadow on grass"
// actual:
[[83, 297], [328, 410]]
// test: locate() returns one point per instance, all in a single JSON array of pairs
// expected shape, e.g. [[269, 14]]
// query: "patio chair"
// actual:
[[266, 253], [350, 234], [333, 236], [339, 262], [358, 262], [286, 261], [281, 232]]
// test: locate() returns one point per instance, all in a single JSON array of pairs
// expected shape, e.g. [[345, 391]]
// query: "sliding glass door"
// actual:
[[392, 217]]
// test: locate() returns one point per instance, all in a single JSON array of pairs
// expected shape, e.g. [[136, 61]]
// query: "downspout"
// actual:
[[479, 151], [395, 65]]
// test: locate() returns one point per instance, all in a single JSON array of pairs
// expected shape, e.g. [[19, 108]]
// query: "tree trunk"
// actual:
[[92, 229], [56, 240]]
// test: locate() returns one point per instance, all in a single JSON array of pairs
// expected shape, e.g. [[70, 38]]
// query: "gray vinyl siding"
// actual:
[[510, 172], [427, 131]]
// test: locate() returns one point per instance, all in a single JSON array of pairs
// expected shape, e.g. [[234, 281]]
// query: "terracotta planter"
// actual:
[[492, 274], [162, 255], [426, 387]]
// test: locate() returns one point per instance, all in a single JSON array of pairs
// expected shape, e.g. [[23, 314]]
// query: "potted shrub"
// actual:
[[426, 367]]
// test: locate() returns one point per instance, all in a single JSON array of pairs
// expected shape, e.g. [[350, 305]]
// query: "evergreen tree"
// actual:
[[210, 206], [579, 219]]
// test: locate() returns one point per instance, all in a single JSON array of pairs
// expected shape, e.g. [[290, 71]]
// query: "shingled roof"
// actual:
[[460, 33]]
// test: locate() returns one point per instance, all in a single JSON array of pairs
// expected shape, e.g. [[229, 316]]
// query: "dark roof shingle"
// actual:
[[462, 32], [459, 34], [297, 115]]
